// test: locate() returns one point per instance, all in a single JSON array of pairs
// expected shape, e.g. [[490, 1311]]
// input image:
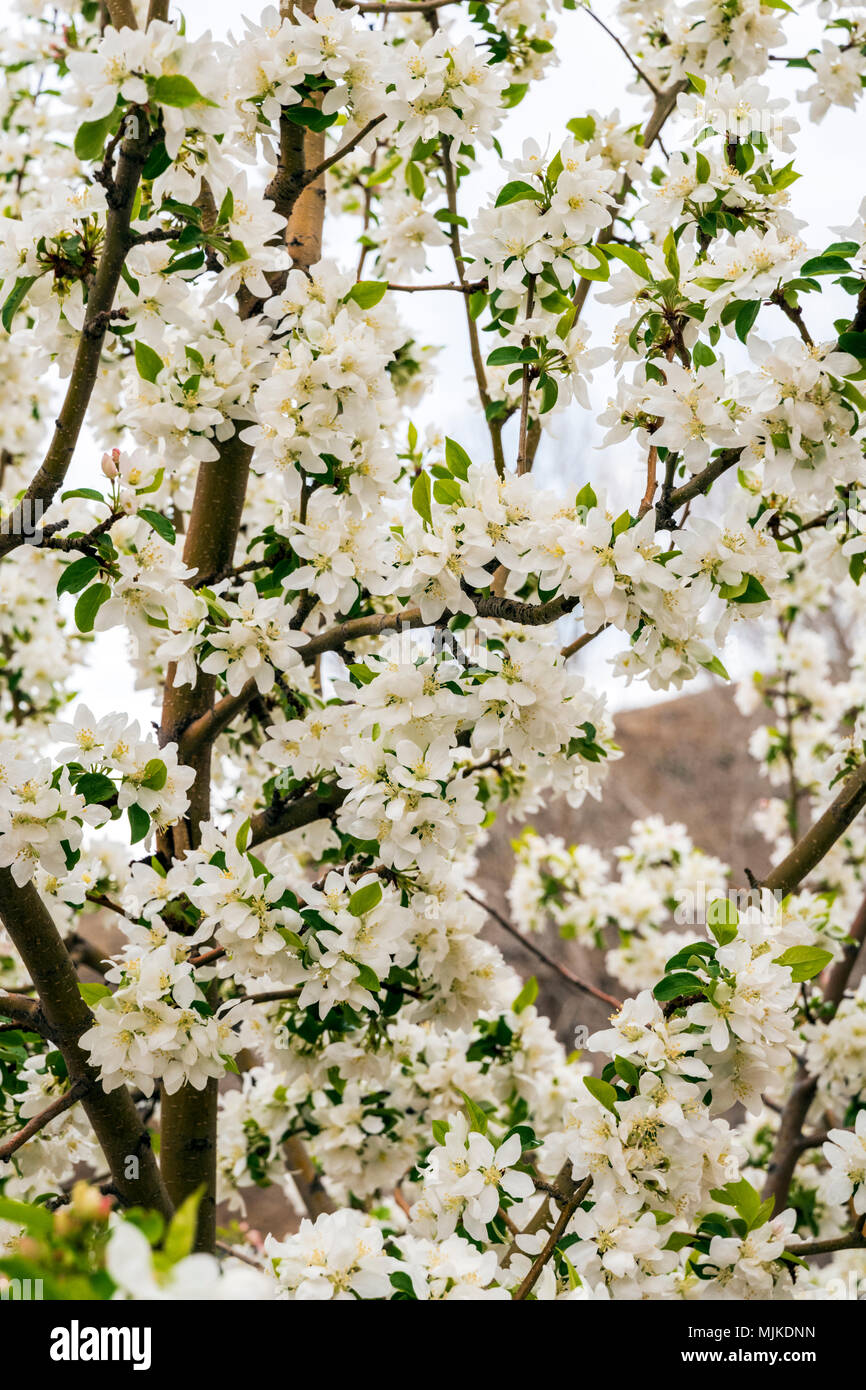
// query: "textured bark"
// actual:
[[115, 1120], [85, 368], [789, 1147], [189, 1117], [810, 850]]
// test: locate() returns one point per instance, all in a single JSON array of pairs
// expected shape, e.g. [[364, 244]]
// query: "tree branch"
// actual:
[[332, 159], [121, 14], [57, 1107], [622, 48], [85, 368], [811, 848], [788, 1146], [855, 1240], [116, 1123], [555, 1236], [306, 1178], [494, 427], [541, 955], [25, 1013]]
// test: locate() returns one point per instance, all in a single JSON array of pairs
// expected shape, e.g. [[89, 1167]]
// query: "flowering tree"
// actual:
[[369, 642]]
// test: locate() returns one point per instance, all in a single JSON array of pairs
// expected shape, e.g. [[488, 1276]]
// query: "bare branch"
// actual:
[[622, 48], [113, 1115], [811, 848], [788, 1146], [121, 14], [541, 955], [559, 1229], [312, 174], [25, 1013], [57, 1107]]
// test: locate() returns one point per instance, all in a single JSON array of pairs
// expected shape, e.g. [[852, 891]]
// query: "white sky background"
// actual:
[[592, 74]]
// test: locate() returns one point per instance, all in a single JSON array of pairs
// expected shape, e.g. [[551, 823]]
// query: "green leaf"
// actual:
[[513, 94], [447, 492], [161, 524], [440, 1131], [457, 459], [92, 994], [365, 899], [825, 265], [805, 962], [180, 1235], [749, 590], [89, 493], [629, 256], [477, 1117], [96, 788], [582, 126], [89, 605], [716, 667], [367, 293], [854, 343], [682, 982], [690, 955], [627, 1070], [527, 995], [722, 920], [745, 1200], [504, 356], [549, 393], [421, 497], [477, 303], [227, 207], [516, 192], [77, 575], [703, 355], [36, 1220], [672, 260], [415, 180], [148, 363], [601, 271], [139, 823], [310, 117], [20, 291], [746, 314], [602, 1091], [155, 775], [90, 137], [177, 90], [367, 978]]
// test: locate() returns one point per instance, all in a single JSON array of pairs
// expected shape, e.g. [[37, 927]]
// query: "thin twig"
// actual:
[[57, 1107], [312, 174], [541, 955], [583, 641], [555, 1236], [622, 48]]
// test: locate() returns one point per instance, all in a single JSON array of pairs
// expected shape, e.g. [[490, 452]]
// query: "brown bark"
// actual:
[[789, 1147], [115, 1120], [189, 1117]]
